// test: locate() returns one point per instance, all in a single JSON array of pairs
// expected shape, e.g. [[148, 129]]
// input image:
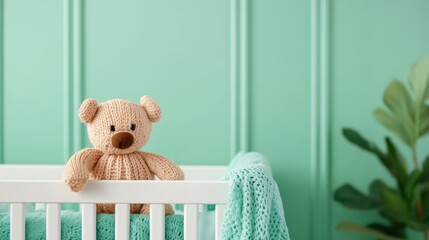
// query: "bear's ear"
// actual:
[[87, 110], [152, 108]]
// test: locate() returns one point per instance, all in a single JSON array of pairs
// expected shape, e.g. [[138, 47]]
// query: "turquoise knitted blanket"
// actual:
[[71, 228], [254, 209]]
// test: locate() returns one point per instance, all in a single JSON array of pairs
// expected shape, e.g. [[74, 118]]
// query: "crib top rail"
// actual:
[[163, 192], [55, 172]]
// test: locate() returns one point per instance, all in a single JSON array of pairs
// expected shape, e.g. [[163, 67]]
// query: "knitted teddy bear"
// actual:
[[117, 129]]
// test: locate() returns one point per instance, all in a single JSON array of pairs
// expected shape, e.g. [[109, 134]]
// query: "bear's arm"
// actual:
[[76, 172], [163, 168]]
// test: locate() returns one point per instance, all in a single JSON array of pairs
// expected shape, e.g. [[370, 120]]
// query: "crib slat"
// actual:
[[53, 221], [17, 221], [157, 228], [220, 208], [191, 221], [122, 221], [88, 221]]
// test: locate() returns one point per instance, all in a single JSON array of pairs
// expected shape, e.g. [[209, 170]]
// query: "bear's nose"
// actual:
[[122, 140]]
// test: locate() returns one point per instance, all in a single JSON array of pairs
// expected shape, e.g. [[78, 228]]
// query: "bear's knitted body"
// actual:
[[117, 129]]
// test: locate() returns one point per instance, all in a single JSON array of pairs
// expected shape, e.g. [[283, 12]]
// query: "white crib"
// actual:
[[20, 184]]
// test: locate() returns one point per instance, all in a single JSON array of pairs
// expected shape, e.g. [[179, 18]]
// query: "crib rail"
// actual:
[[104, 191], [55, 172], [122, 193]]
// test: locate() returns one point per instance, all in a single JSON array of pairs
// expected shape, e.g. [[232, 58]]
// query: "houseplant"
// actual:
[[405, 205]]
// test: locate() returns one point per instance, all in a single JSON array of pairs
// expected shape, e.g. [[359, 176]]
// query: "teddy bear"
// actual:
[[118, 129]]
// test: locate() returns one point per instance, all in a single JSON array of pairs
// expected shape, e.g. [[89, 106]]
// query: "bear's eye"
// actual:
[[133, 127], [112, 128]]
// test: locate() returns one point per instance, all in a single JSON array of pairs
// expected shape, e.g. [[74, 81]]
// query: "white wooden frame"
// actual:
[[201, 186]]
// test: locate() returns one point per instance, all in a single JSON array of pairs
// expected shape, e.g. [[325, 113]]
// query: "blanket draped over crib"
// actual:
[[254, 209], [71, 226]]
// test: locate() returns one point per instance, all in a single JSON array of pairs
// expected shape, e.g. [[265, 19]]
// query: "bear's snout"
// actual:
[[122, 140]]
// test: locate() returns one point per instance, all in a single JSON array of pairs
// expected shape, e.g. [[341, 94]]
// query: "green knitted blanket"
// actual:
[[71, 228], [254, 209]]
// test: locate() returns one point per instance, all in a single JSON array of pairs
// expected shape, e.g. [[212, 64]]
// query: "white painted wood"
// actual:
[[220, 209], [55, 172], [31, 172], [53, 221], [204, 173], [157, 223], [17, 221], [88, 221], [180, 192], [122, 221], [191, 221], [201, 207]]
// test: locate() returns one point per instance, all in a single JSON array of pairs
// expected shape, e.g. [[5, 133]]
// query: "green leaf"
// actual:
[[395, 207], [425, 204], [413, 194], [418, 77], [394, 125], [393, 161], [419, 226], [399, 102], [355, 138], [358, 228], [351, 197], [395, 229], [375, 189], [396, 163], [412, 181], [401, 106], [424, 120]]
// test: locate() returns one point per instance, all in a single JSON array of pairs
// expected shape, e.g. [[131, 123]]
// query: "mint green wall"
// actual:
[[277, 76]]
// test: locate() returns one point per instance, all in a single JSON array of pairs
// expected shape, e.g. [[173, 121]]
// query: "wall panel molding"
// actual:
[[68, 77], [234, 77], [78, 69], [2, 81], [239, 76], [320, 227], [244, 79], [72, 75]]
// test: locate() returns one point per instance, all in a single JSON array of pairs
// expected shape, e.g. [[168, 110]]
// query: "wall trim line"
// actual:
[[78, 72], [320, 181], [68, 78], [239, 76], [2, 98], [233, 79], [73, 74], [244, 83]]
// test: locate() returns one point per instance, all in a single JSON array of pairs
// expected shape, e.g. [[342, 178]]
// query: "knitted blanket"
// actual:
[[71, 228], [254, 209]]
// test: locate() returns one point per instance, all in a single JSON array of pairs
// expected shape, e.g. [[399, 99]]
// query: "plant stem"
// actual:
[[426, 234], [416, 163]]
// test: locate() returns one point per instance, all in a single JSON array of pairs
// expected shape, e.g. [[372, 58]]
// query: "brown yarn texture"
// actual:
[[118, 129]]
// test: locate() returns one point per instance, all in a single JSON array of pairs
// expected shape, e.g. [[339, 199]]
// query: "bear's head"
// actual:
[[119, 126]]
